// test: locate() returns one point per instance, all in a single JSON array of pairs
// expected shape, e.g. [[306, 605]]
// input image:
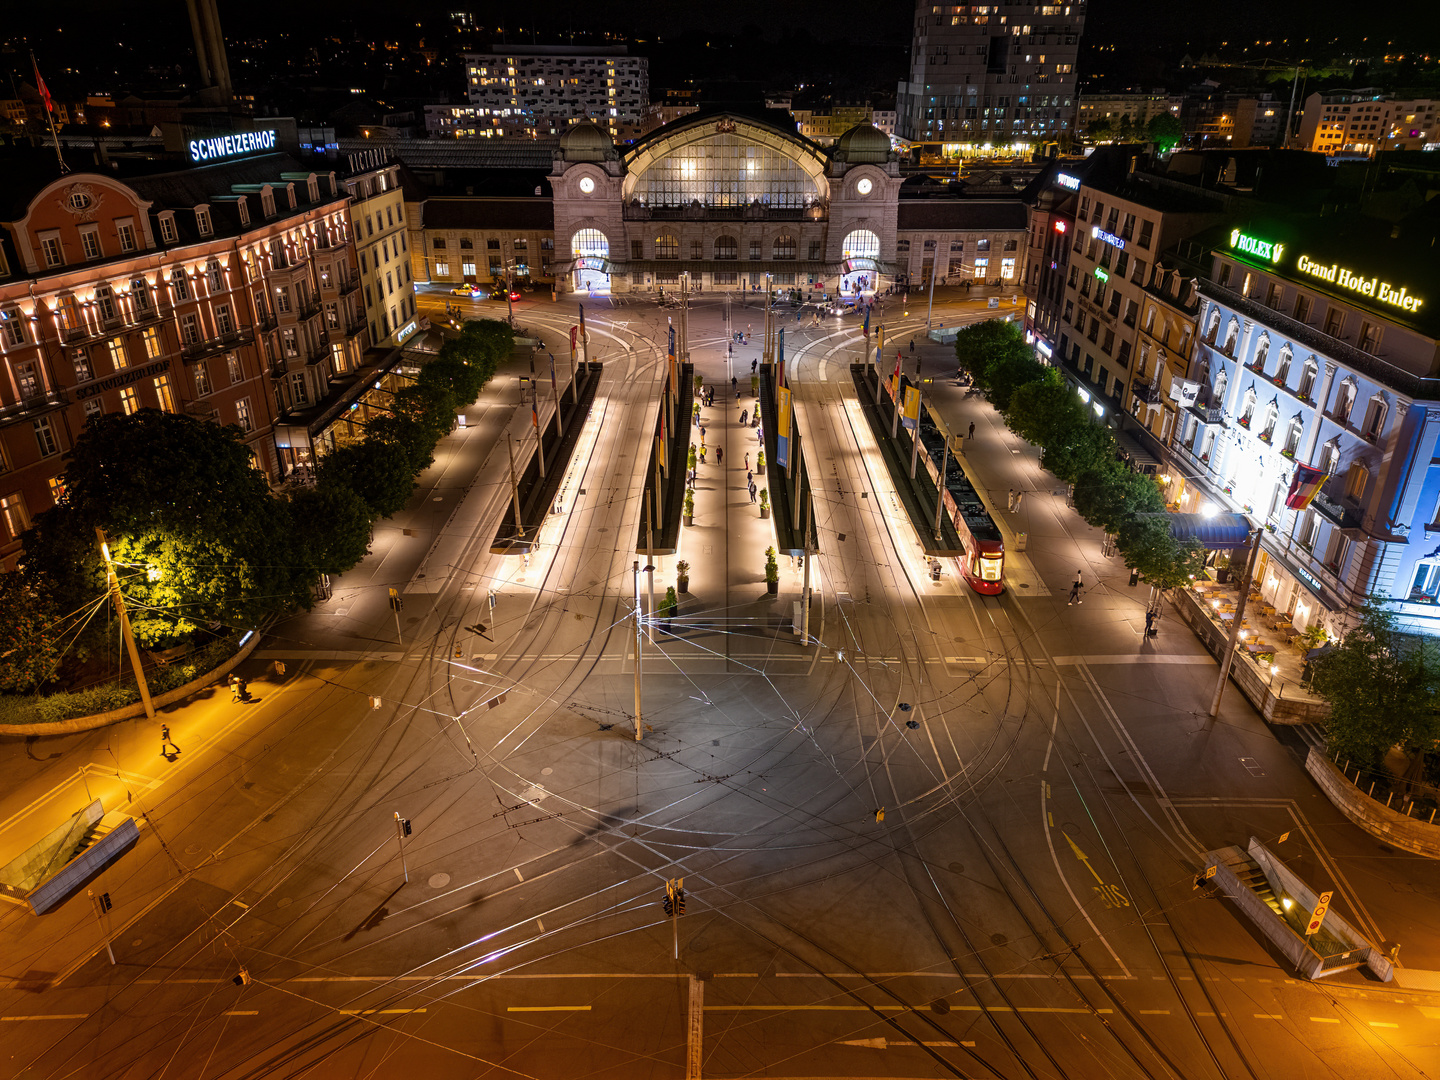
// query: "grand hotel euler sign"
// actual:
[[1334, 274]]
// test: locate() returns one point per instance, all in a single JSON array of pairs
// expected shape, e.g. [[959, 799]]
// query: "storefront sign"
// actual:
[[1310, 578], [1100, 274], [405, 331], [1109, 238], [1372, 287], [1065, 180], [223, 146], [1261, 249]]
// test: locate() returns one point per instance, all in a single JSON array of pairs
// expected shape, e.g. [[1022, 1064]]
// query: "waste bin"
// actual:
[[1020, 541]]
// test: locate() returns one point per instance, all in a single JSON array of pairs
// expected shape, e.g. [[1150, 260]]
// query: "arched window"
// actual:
[[1232, 335], [1221, 381], [1375, 414], [1262, 350], [860, 244], [1292, 437], [1212, 331], [727, 247], [1307, 378], [667, 246], [591, 244], [1356, 479], [1247, 409], [784, 247], [1344, 401]]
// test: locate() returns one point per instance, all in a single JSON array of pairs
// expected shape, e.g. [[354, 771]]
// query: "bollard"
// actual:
[[1432, 816], [1371, 792], [1388, 798]]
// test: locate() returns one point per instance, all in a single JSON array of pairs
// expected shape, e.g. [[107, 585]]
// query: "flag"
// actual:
[[553, 388], [574, 333], [911, 416], [895, 380], [780, 360], [44, 90], [1304, 487], [866, 328], [782, 428]]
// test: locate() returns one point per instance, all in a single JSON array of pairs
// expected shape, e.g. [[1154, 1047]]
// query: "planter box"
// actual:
[[772, 587], [764, 512], [689, 519], [682, 585]]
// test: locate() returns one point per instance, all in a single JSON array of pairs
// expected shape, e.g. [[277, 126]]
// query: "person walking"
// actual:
[[747, 460], [702, 453], [744, 415], [971, 435], [752, 491], [1075, 589], [168, 749], [912, 346], [749, 476], [719, 455], [702, 435], [1149, 623], [1010, 503], [1018, 496], [754, 364]]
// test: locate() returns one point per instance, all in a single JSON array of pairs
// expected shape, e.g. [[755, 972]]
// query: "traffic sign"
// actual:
[[1318, 915]]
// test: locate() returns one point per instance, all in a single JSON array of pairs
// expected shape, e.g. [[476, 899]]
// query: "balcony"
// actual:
[[30, 404], [319, 351], [219, 344], [354, 326], [1150, 395], [1208, 414], [308, 310]]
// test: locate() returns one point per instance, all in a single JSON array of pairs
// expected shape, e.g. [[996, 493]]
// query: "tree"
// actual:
[[1165, 131], [29, 626], [196, 537], [372, 469], [1109, 495], [329, 526], [1100, 129], [1381, 686], [1164, 562]]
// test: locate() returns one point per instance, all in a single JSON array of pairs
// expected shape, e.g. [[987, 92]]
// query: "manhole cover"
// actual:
[[957, 868], [193, 849], [1023, 585], [137, 943], [999, 939], [438, 498], [284, 901], [439, 881], [546, 771]]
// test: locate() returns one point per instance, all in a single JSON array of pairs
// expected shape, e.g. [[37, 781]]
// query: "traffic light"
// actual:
[[404, 826], [669, 906], [104, 901], [680, 901], [243, 979]]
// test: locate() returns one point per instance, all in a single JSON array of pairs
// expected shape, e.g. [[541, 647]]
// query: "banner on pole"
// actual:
[[895, 380], [782, 429], [911, 416], [554, 387], [780, 359]]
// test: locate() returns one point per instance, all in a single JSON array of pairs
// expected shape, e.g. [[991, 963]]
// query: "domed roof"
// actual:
[[586, 141], [863, 143]]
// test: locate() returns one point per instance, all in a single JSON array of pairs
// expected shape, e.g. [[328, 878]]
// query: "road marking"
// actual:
[[549, 1008], [1382, 1023], [377, 1012], [541, 925], [51, 1016], [885, 1044], [519, 876], [242, 1012], [1323, 1020], [695, 1031], [905, 1008], [1137, 658], [1269, 1016], [1154, 1012]]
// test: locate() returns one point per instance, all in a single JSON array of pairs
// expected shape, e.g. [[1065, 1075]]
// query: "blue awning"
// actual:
[[1223, 532]]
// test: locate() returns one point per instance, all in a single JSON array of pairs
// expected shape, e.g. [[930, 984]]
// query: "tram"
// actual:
[[983, 563]]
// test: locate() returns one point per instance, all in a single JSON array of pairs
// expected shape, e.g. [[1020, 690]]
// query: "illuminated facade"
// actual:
[[378, 211], [1317, 346], [1364, 121], [990, 78], [228, 292], [541, 90], [729, 199]]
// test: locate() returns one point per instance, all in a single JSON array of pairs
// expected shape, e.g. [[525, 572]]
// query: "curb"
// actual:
[[129, 712]]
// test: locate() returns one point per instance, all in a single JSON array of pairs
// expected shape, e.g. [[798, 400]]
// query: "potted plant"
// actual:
[[699, 383], [682, 576], [764, 503], [690, 506], [690, 461], [671, 604], [760, 461], [1222, 568], [772, 571]]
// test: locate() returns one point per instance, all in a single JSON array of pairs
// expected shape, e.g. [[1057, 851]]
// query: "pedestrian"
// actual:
[[702, 435], [972, 430], [690, 478], [747, 460], [744, 415], [719, 455], [912, 346], [752, 491], [735, 384], [1010, 503], [1075, 589], [1149, 623], [749, 475], [753, 365], [702, 453], [1018, 496], [168, 749]]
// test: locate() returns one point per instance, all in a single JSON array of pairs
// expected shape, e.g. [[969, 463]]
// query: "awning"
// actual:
[[1223, 532], [1136, 452]]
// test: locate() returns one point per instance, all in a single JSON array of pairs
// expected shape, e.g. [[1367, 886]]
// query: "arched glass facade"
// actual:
[[861, 244], [725, 170]]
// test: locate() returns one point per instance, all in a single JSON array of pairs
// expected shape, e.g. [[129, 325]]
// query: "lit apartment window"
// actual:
[[12, 327], [163, 394], [242, 415], [12, 510], [202, 381], [180, 284], [151, 338], [116, 347], [129, 401]]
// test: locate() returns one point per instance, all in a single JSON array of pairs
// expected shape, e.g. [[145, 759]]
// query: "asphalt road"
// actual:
[[1003, 890]]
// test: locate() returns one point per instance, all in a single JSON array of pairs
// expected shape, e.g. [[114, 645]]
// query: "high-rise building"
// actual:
[[1364, 121], [539, 90], [987, 79]]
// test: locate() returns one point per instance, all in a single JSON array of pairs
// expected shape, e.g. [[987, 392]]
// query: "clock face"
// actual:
[[587, 185], [864, 186]]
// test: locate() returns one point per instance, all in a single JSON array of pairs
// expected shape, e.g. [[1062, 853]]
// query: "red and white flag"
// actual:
[[44, 90]]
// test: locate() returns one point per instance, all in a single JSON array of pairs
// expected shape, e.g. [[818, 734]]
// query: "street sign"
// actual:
[[1318, 915]]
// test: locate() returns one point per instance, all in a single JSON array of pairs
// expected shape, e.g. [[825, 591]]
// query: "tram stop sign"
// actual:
[[1318, 915]]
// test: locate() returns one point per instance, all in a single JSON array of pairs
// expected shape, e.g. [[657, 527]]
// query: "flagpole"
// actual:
[[49, 113]]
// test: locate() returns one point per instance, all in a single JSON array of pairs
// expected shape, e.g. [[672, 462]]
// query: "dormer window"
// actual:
[[167, 228], [202, 221], [313, 187], [267, 201], [290, 195], [243, 208]]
